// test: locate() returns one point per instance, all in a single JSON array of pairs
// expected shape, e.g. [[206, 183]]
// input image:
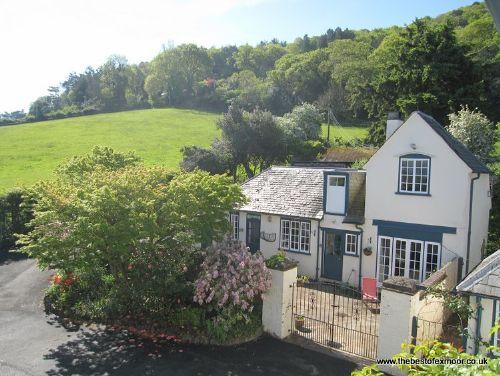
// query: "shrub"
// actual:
[[127, 233], [15, 213], [231, 277]]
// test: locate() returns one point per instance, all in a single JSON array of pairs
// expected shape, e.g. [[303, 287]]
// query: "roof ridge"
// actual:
[[468, 157]]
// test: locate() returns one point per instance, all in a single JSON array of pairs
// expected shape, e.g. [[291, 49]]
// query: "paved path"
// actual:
[[33, 343]]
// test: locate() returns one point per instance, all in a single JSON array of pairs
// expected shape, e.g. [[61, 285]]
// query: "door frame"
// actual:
[[251, 216], [342, 233]]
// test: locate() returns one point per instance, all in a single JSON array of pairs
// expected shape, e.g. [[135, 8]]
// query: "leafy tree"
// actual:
[[114, 82], [206, 159], [174, 74], [303, 123], [423, 67], [475, 131], [223, 62], [101, 157], [254, 139], [244, 89], [258, 59], [298, 78]]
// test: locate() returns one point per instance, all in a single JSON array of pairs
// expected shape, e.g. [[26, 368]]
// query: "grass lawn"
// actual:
[[346, 132], [30, 152]]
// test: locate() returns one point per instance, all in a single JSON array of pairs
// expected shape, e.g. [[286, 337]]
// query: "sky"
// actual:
[[42, 41]]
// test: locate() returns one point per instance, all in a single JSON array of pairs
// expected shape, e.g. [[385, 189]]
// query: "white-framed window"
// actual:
[[295, 235], [408, 258], [399, 258], [351, 244], [285, 234], [432, 258], [235, 226], [414, 175], [336, 181], [415, 260], [305, 236], [384, 258]]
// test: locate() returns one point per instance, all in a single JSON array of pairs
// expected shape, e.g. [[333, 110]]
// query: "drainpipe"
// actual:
[[470, 222], [317, 252], [360, 254]]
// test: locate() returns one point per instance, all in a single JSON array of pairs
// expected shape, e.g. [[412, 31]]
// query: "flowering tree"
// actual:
[[232, 277], [475, 131]]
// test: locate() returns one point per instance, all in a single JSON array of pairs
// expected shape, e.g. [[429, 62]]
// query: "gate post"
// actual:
[[396, 319], [277, 307]]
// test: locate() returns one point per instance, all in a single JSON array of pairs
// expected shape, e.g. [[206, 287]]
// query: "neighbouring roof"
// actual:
[[484, 279], [298, 192], [348, 154], [465, 154]]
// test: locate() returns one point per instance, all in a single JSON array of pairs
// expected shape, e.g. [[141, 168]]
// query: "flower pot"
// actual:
[[299, 323]]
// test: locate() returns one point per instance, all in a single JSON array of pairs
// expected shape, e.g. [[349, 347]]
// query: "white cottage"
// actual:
[[422, 200]]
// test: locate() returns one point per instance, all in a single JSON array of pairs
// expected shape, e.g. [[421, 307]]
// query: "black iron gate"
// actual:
[[337, 316]]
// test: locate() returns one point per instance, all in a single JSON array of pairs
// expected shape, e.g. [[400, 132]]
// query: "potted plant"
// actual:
[[299, 322]]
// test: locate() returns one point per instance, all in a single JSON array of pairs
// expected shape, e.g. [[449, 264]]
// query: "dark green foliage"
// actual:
[[15, 213], [494, 225]]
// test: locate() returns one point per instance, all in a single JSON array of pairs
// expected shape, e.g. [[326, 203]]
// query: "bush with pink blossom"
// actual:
[[229, 289], [232, 277]]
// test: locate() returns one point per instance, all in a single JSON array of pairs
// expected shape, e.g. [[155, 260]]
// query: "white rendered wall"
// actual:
[[270, 224], [448, 203]]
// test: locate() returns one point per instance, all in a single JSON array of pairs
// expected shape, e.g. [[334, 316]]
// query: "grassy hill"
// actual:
[[29, 152]]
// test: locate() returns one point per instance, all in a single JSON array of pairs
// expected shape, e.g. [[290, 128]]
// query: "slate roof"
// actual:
[[465, 154], [484, 279], [298, 192]]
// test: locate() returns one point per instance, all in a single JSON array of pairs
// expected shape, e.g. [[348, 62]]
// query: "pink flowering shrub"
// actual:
[[232, 277]]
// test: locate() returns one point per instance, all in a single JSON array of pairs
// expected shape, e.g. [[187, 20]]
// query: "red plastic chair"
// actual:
[[369, 289]]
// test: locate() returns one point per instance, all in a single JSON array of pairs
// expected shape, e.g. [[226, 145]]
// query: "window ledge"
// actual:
[[298, 252], [413, 194], [351, 254]]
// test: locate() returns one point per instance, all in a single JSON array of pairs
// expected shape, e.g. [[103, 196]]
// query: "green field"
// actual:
[[30, 152], [347, 132]]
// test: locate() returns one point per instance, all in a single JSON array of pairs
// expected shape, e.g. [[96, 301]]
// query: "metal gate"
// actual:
[[335, 315]]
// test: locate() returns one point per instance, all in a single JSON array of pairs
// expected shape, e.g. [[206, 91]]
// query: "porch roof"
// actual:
[[484, 279]]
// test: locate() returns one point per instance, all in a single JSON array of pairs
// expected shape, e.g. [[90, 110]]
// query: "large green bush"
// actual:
[[124, 237]]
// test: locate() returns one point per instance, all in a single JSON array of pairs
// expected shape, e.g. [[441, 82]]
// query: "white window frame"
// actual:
[[425, 276], [297, 238], [421, 267], [388, 257], [392, 257], [235, 225], [351, 243], [414, 175]]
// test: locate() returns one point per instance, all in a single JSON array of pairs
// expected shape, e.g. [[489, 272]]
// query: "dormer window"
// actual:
[[414, 174], [335, 191]]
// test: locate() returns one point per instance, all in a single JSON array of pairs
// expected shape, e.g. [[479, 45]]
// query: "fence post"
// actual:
[[277, 307], [396, 319]]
